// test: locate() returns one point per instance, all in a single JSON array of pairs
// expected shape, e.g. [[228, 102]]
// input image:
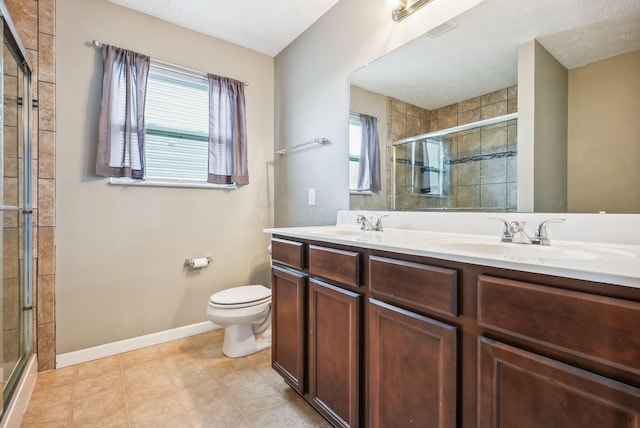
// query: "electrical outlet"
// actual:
[[312, 196]]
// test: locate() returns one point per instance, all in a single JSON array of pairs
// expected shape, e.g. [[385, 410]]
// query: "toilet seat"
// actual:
[[241, 297]]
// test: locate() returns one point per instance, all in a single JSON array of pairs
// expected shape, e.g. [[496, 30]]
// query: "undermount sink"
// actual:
[[516, 251]]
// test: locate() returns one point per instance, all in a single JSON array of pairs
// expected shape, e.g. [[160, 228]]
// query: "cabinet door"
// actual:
[[288, 326], [521, 389], [334, 349], [412, 371]]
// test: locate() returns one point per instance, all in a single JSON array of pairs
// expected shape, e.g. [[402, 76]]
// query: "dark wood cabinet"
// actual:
[[378, 339], [334, 352], [288, 303], [412, 369], [522, 389]]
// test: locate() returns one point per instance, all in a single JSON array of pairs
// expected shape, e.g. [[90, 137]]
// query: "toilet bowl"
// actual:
[[245, 314]]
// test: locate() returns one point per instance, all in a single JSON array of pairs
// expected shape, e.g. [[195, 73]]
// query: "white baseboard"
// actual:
[[18, 405], [113, 348]]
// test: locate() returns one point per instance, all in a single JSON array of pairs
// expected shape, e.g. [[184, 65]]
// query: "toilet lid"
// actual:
[[247, 295]]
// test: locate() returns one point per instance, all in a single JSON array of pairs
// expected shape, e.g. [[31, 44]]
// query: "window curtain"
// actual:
[[121, 124], [227, 132], [369, 169]]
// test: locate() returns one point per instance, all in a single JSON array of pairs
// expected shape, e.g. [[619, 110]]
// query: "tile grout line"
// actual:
[[124, 391], [73, 396], [174, 387]]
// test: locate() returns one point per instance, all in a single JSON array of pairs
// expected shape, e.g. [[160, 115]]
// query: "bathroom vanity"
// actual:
[[411, 328]]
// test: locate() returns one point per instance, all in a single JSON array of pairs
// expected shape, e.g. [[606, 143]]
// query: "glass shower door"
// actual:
[[15, 212]]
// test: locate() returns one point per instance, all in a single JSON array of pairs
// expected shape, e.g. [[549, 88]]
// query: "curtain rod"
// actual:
[[356, 113], [187, 71]]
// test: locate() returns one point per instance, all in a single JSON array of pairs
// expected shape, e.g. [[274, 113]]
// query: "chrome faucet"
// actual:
[[542, 237], [514, 232], [368, 225]]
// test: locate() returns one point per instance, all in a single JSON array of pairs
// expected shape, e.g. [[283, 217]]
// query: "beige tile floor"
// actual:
[[184, 383]]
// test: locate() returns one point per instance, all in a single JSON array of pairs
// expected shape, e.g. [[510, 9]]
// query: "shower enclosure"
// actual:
[[16, 234]]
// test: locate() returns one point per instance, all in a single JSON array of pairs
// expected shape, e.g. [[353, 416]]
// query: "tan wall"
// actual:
[[604, 136], [120, 250], [542, 130], [373, 104]]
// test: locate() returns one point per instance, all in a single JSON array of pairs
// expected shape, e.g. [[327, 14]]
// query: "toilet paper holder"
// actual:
[[195, 263]]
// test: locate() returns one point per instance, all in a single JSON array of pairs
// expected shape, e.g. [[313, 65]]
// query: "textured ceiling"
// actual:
[[480, 55], [265, 26]]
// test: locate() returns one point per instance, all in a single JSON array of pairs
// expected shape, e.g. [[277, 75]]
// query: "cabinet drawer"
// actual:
[[601, 329], [335, 265], [415, 285], [289, 253]]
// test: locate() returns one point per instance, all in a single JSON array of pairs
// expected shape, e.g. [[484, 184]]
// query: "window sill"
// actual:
[[363, 192], [170, 183]]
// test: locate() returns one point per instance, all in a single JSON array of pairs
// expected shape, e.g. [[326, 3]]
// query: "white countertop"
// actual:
[[617, 264]]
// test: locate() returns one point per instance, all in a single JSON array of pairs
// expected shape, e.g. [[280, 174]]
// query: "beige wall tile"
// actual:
[[47, 16], [414, 111], [46, 251], [399, 124], [495, 97], [493, 171], [47, 155], [10, 115], [10, 253], [11, 345], [447, 122], [11, 143], [512, 92], [470, 104], [468, 173], [469, 196], [398, 106], [512, 106], [413, 126], [449, 110], [493, 140], [46, 107], [24, 15], [11, 303], [46, 346], [47, 201], [33, 60], [469, 116], [494, 110], [46, 299], [469, 144], [47, 58], [493, 195]]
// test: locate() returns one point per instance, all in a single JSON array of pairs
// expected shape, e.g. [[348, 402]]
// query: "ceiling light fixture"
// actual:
[[400, 9]]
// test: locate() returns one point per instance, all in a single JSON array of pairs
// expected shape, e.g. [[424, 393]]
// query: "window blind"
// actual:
[[177, 125]]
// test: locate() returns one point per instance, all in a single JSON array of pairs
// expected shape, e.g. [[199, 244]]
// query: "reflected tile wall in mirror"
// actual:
[[479, 168]]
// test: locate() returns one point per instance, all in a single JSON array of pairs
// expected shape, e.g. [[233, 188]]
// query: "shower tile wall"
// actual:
[[481, 171], [35, 22]]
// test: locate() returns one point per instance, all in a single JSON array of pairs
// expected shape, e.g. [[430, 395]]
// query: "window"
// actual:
[[355, 145], [177, 125]]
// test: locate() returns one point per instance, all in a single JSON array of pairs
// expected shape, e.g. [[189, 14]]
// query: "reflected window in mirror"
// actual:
[[355, 145], [367, 156]]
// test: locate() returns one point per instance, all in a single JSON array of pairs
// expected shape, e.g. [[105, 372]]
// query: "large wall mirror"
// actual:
[[512, 106]]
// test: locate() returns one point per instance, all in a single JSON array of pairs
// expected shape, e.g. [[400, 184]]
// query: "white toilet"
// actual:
[[245, 313]]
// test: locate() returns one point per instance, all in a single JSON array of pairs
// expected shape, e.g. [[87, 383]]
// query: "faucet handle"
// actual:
[[379, 222], [542, 237], [507, 235]]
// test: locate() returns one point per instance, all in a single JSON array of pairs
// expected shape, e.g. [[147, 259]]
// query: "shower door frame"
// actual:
[[10, 37]]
